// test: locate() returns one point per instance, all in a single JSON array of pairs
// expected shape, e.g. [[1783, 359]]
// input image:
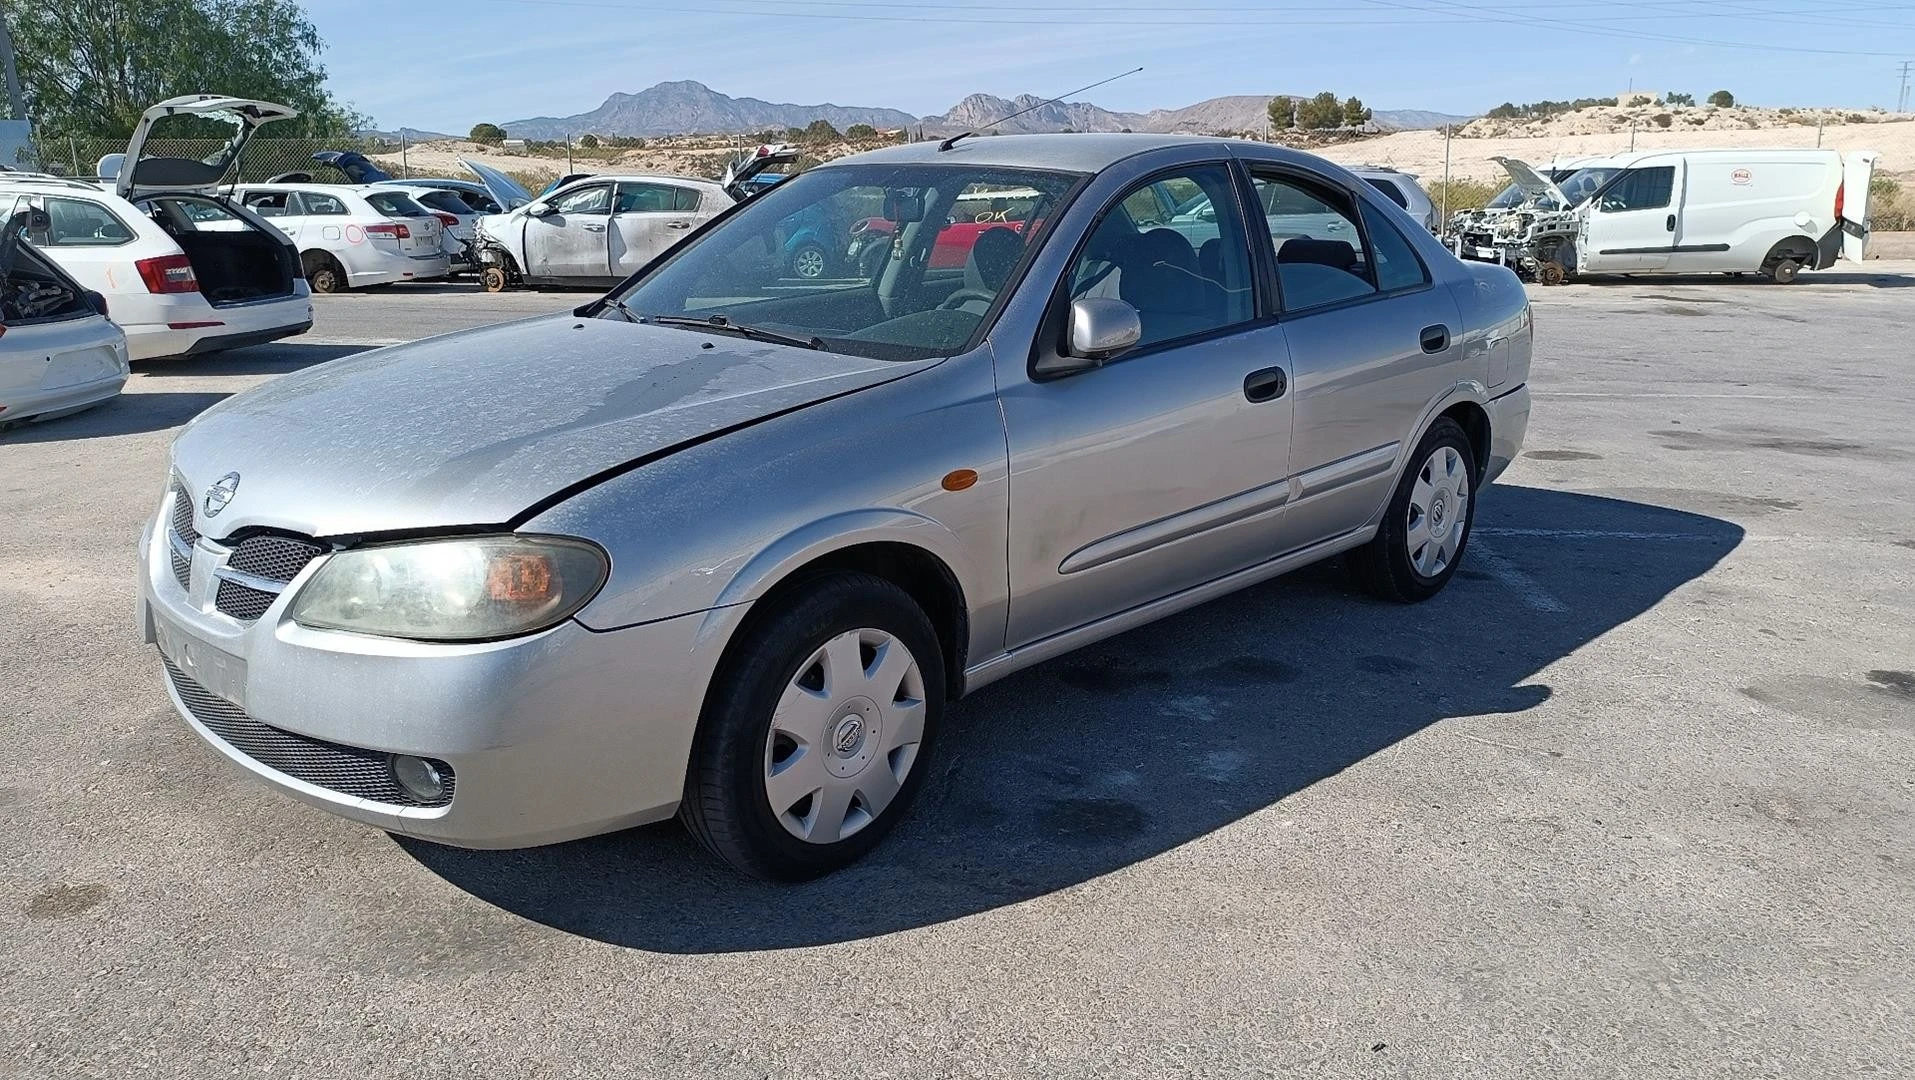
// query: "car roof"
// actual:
[[1083, 153], [52, 182], [350, 189], [599, 178]]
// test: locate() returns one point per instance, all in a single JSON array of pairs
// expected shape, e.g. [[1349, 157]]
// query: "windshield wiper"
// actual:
[[723, 324], [615, 302]]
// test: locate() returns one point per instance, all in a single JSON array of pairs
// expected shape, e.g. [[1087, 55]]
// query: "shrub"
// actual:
[[1722, 99], [588, 141], [488, 133], [1662, 120], [860, 131], [1463, 194], [820, 131]]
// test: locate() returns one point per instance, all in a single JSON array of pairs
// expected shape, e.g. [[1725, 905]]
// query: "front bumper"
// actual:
[[1508, 423], [561, 734]]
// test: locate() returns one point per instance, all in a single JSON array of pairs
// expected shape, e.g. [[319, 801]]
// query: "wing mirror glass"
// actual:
[[1100, 330]]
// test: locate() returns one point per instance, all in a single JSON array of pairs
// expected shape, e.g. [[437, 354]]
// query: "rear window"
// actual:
[[1389, 189], [33, 292], [395, 204], [179, 215], [442, 200]]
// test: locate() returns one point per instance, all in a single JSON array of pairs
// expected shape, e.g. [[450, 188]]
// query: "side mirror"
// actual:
[[1100, 329], [539, 209]]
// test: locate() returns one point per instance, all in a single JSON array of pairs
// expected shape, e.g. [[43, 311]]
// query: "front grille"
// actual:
[[242, 602], [274, 557], [349, 770], [183, 515], [180, 544], [182, 566]]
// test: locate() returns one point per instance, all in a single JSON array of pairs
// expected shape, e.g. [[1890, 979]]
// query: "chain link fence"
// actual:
[[265, 158]]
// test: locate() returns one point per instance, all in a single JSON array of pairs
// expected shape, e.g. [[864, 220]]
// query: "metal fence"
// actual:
[[264, 158]]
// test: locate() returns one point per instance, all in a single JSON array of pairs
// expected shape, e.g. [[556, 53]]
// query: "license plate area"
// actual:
[[221, 673]]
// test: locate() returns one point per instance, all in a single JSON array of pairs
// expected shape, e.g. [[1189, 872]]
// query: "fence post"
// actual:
[[405, 168], [73, 148]]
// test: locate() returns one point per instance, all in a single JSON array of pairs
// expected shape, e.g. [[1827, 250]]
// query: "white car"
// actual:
[[456, 211], [183, 270], [599, 230], [58, 352], [350, 236]]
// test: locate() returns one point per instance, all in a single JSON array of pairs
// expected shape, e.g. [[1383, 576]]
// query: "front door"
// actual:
[[1635, 223], [1168, 466], [647, 219], [570, 239]]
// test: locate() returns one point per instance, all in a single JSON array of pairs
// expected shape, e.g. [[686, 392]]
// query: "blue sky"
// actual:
[[444, 65]]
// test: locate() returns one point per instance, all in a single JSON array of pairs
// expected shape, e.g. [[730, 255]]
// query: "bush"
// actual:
[[1462, 194], [488, 133], [1890, 208], [858, 132], [1662, 120], [1722, 99], [820, 131], [1540, 109], [588, 141]]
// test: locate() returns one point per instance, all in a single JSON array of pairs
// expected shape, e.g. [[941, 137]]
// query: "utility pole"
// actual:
[[14, 100], [1901, 101], [405, 166], [1445, 219]]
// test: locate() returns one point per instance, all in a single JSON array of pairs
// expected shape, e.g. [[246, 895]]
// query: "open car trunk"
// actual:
[[234, 260]]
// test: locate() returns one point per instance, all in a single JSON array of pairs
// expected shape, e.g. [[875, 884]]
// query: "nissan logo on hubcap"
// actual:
[[220, 494], [850, 733]]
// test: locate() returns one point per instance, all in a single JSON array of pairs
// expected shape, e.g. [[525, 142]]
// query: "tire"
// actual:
[[323, 272], [1394, 565], [1784, 272], [809, 262], [494, 279], [795, 699]]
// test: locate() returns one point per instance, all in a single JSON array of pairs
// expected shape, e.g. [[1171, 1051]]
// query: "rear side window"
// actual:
[[1320, 255], [82, 223], [1641, 189], [323, 205], [1389, 189], [395, 204], [1396, 264]]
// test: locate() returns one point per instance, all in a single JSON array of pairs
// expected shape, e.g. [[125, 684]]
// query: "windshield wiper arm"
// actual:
[[615, 302], [723, 324]]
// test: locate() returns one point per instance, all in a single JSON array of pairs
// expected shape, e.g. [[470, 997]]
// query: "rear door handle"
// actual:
[[1670, 224], [594, 228], [1435, 338], [1264, 385], [678, 224]]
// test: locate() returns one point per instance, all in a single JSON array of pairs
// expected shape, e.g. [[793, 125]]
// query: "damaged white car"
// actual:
[[599, 230]]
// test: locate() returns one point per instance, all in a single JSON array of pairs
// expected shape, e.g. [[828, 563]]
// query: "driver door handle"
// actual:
[[1264, 385], [678, 224], [1670, 224], [594, 228]]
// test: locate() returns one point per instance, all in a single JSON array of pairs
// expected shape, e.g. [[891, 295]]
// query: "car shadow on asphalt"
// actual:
[[140, 410], [1135, 746]]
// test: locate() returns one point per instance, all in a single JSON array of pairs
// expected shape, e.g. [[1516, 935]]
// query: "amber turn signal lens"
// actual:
[[520, 579], [959, 479]]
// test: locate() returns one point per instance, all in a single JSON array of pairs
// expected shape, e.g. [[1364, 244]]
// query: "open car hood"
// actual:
[[133, 174], [1534, 185], [504, 190], [744, 168]]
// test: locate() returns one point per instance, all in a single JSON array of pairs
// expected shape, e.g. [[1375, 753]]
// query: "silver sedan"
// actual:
[[724, 543]]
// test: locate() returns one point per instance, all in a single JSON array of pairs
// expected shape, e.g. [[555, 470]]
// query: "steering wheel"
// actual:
[[964, 296]]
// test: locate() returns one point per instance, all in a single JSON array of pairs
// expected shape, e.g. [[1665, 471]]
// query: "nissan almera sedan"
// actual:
[[724, 543]]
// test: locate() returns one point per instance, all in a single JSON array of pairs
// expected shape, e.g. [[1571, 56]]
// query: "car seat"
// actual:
[[993, 256]]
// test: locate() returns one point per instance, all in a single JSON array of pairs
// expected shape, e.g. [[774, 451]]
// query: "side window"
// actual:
[[267, 204], [320, 204], [1188, 276], [1390, 190], [1641, 189], [596, 199], [83, 223], [1145, 207], [1320, 255], [644, 199], [1397, 266], [684, 200]]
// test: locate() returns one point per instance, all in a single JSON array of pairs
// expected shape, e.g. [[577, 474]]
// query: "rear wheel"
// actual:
[[1784, 272], [494, 279], [818, 729], [323, 272], [1426, 527]]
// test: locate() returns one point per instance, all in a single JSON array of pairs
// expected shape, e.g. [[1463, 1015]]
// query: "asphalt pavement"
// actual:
[[1631, 798]]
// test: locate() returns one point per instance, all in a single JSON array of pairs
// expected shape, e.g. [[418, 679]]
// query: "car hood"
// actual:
[[1532, 183], [475, 428]]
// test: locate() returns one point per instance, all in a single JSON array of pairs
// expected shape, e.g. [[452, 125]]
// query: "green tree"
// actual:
[[1679, 99], [1355, 114], [1722, 99], [90, 68], [857, 132], [487, 133], [1283, 112], [588, 141], [820, 131], [1320, 113]]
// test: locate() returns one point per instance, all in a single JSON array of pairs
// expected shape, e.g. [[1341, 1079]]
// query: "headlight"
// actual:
[[462, 589]]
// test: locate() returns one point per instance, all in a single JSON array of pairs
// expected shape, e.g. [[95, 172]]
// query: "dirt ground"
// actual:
[[1892, 245]]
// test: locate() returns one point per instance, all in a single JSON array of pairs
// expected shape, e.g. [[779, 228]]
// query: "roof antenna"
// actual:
[[953, 140]]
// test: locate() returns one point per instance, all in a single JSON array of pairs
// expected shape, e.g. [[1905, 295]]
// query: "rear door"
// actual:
[[1636, 221], [570, 239], [283, 208], [1858, 169], [647, 219]]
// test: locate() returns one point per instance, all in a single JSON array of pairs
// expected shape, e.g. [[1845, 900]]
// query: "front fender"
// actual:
[[875, 525]]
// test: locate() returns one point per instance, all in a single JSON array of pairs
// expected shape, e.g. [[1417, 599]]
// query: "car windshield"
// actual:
[[1581, 184], [894, 262]]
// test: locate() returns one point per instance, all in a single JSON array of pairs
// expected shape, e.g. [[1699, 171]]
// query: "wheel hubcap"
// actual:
[[1439, 511], [844, 736]]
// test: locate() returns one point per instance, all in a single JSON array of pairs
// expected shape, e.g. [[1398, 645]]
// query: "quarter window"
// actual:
[[1185, 273], [1319, 249], [81, 223], [322, 205], [592, 200], [1641, 189], [1397, 266]]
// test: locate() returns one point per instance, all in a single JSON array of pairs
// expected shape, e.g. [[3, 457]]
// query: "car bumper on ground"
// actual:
[[557, 735], [382, 268], [1508, 423]]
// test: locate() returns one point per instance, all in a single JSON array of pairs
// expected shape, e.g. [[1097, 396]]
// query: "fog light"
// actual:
[[420, 778]]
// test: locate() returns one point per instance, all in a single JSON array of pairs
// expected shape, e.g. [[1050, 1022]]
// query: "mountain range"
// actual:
[[686, 107]]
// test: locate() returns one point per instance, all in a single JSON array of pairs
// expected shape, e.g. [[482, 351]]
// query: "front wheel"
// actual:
[[494, 279], [1784, 272], [817, 732], [1426, 527]]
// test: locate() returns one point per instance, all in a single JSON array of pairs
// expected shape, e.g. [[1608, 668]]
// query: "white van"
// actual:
[[1723, 211]]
